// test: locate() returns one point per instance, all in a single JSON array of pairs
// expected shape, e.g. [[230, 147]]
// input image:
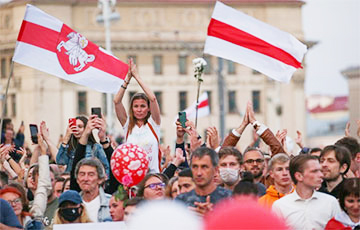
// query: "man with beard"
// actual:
[[279, 172], [254, 162], [335, 162], [204, 166], [306, 208], [230, 160]]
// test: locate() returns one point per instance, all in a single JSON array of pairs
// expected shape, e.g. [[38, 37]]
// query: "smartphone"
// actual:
[[182, 119], [33, 133], [96, 111], [72, 122]]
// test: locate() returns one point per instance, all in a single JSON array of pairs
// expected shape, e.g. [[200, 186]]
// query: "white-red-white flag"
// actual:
[[203, 108], [47, 44], [238, 37]]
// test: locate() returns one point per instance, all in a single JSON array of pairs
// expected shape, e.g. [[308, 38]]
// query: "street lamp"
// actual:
[[107, 16]]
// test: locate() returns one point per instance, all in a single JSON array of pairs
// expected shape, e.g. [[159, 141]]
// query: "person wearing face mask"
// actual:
[[71, 209], [230, 160]]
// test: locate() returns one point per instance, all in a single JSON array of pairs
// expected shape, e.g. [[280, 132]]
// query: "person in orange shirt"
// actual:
[[279, 171]]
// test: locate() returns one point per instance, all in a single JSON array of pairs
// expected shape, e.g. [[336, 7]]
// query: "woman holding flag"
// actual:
[[142, 122]]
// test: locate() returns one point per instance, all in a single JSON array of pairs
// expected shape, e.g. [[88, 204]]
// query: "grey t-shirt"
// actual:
[[217, 195]]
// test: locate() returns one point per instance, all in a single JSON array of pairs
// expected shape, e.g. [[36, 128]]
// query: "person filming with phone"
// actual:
[[142, 122], [74, 131]]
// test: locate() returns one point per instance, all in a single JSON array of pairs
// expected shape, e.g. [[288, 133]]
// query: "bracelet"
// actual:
[[127, 82], [256, 124], [122, 86], [8, 159]]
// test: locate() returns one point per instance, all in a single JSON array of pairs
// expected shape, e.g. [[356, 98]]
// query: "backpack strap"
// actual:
[[159, 153]]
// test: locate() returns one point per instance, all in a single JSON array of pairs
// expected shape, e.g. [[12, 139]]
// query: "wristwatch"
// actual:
[[256, 124], [107, 141]]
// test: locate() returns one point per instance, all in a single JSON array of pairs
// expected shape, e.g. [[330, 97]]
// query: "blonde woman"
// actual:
[[71, 209]]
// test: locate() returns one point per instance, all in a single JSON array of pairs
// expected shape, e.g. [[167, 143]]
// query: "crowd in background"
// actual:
[[72, 182]]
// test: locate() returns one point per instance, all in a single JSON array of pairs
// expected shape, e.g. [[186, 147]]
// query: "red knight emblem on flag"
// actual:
[[74, 57]]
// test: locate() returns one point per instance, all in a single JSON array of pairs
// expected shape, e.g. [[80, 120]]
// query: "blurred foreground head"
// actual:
[[242, 213]]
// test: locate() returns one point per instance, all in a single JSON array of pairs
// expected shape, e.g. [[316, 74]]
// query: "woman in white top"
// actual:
[[142, 124]]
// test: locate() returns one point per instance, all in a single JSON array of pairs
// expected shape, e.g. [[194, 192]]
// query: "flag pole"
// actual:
[[6, 93]]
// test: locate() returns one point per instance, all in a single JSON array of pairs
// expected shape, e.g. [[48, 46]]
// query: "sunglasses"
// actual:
[[251, 161], [155, 185]]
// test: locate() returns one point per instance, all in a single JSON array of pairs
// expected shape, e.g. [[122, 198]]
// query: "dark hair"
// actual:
[[349, 187], [133, 201], [315, 150], [351, 144], [230, 151], [142, 183], [132, 118], [342, 155], [59, 179], [246, 185], [4, 178], [5, 122], [205, 151], [64, 184], [186, 173], [73, 141], [297, 164]]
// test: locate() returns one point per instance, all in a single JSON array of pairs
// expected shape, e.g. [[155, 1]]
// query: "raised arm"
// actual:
[[234, 136], [119, 107], [44, 130], [154, 106]]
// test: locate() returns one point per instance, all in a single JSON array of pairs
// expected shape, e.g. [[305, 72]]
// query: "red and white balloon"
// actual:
[[129, 164]]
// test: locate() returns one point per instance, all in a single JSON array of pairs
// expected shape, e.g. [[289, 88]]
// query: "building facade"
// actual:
[[163, 37]]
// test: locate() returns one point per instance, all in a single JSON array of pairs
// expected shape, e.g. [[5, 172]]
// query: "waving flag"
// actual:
[[203, 109], [240, 38], [47, 44]]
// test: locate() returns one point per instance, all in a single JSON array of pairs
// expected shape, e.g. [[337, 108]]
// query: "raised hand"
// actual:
[[202, 208], [179, 157], [347, 129], [299, 139], [213, 138]]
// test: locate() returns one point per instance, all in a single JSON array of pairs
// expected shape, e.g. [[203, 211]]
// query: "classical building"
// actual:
[[163, 37]]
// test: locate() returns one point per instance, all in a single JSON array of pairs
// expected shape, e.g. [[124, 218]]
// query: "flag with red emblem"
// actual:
[[47, 44]]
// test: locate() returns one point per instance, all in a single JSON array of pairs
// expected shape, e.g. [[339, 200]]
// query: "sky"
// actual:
[[335, 25]]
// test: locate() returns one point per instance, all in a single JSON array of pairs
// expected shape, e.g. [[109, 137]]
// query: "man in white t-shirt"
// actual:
[[306, 208], [90, 174]]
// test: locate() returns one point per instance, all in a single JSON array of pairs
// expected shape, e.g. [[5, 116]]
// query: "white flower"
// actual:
[[199, 64]]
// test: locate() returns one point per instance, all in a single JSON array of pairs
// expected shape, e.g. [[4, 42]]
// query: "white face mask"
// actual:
[[229, 175]]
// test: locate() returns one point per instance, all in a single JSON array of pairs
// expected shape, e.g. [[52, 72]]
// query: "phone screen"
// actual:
[[96, 111], [34, 132], [182, 119]]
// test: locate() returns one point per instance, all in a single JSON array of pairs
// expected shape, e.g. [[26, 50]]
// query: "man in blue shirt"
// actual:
[[204, 166]]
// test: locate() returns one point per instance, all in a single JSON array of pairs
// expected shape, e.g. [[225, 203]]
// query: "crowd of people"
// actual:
[[71, 182]]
